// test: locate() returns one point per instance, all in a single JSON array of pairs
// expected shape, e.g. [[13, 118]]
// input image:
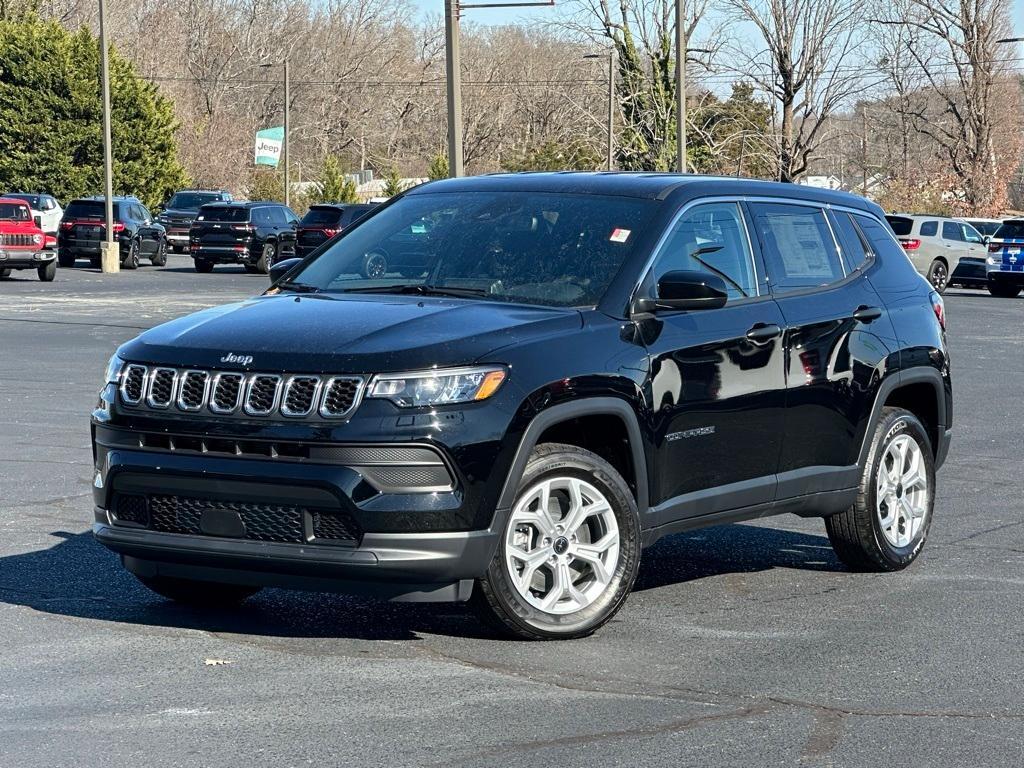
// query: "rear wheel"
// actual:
[[266, 259], [569, 552], [1003, 290], [207, 594], [96, 261], [938, 275], [204, 266], [5, 273], [887, 526], [375, 265], [65, 259], [47, 271]]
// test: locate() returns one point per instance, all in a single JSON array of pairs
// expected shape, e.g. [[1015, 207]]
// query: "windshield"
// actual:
[[14, 212], [1011, 230], [32, 200], [322, 216], [901, 225], [557, 250], [190, 201], [223, 213], [987, 228]]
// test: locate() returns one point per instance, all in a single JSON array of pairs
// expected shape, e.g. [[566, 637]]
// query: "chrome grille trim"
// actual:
[[310, 396]]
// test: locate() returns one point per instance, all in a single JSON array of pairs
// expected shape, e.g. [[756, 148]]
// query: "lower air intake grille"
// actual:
[[338, 527], [263, 522], [131, 509]]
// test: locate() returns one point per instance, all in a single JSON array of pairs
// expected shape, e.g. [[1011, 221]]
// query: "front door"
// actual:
[[717, 386]]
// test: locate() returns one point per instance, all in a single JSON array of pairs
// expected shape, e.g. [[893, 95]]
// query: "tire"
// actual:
[[5, 273], [860, 535], [1003, 290], [251, 269], [65, 259], [131, 260], [205, 267], [375, 265], [516, 606], [96, 262], [159, 259], [266, 259], [206, 594], [938, 276], [47, 272]]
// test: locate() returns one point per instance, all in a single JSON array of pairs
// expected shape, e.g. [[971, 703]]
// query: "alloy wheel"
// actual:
[[561, 545], [901, 491], [939, 277]]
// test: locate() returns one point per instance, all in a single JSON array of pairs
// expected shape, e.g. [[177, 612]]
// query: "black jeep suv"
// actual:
[[586, 363], [254, 235], [83, 228], [323, 221], [181, 210]]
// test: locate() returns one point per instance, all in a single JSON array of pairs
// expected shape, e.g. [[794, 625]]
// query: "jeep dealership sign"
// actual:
[[268, 146]]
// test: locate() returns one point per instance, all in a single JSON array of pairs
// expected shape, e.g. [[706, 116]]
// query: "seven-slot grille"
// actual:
[[16, 240], [241, 394]]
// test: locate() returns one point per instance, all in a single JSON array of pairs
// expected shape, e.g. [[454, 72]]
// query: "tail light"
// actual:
[[67, 224], [331, 232], [911, 244], [938, 308], [242, 227], [995, 247], [118, 227]]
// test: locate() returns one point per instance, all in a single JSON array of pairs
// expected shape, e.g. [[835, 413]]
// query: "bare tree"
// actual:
[[808, 66]]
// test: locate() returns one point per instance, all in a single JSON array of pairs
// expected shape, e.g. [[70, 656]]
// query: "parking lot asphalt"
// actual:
[[742, 645]]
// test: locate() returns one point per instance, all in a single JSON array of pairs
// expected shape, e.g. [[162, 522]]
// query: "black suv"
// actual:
[[83, 228], [587, 363], [324, 220], [181, 210], [255, 235]]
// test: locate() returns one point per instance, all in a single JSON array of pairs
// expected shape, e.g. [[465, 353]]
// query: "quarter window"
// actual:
[[929, 229], [711, 238], [799, 250], [850, 242]]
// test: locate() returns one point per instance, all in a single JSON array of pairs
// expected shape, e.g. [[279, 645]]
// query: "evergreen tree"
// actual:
[[51, 117], [393, 183], [438, 168]]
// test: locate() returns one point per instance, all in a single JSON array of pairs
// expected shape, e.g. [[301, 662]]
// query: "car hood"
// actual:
[[352, 334], [180, 213]]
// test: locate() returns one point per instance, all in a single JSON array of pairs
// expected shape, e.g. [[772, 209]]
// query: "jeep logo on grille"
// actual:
[[232, 358]]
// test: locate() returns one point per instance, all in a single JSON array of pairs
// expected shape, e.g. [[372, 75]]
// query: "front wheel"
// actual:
[[206, 594], [1003, 290], [159, 259], [886, 527], [204, 267], [375, 265], [47, 271], [5, 273], [569, 552], [266, 259], [938, 275]]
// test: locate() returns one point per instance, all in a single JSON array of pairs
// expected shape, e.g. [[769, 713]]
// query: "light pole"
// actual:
[[453, 73], [611, 104], [110, 256], [284, 139], [680, 87]]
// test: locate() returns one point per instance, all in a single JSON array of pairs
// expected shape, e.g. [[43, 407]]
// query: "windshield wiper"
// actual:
[[297, 287]]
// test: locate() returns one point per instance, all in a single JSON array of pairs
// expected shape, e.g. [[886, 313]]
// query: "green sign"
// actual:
[[268, 146]]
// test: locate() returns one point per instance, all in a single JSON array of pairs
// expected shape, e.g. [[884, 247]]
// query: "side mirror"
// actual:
[[38, 220], [282, 268], [685, 289], [986, 239]]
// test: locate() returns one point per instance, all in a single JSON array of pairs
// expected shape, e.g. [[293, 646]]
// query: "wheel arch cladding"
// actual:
[[918, 390], [583, 423]]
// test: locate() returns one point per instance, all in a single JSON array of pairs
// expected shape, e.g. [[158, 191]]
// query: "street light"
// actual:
[[452, 11], [284, 142], [611, 103], [110, 256]]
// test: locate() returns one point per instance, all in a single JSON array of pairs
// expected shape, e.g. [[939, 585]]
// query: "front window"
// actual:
[[543, 248], [14, 212], [190, 201]]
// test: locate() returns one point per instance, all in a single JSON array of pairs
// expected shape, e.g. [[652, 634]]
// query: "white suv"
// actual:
[[943, 250]]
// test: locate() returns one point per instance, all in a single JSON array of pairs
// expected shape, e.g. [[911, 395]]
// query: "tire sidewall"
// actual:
[[931, 276], [893, 425], [592, 470]]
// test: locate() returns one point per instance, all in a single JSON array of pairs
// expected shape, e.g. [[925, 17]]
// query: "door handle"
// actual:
[[865, 314], [764, 332]]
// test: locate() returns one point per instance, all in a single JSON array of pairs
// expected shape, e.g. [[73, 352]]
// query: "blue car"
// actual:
[[1005, 264]]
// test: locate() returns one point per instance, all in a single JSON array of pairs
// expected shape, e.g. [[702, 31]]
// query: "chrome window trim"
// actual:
[[314, 401], [248, 393], [149, 387], [124, 381], [361, 382], [205, 398], [212, 405]]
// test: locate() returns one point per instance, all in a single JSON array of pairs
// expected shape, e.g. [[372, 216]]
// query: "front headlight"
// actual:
[[37, 239], [114, 367], [438, 387]]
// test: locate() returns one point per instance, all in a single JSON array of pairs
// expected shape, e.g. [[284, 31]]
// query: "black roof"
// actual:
[[342, 205], [240, 203], [655, 186], [115, 198]]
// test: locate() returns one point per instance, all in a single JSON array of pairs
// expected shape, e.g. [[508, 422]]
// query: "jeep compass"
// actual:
[[583, 364]]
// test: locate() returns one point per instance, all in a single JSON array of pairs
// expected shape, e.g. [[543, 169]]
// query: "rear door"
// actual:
[[832, 357]]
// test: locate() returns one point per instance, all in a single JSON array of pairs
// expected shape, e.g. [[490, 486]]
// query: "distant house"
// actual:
[[821, 182]]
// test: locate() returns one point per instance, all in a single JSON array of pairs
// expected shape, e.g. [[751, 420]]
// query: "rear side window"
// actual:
[[929, 229], [799, 251], [901, 225], [262, 216], [951, 231], [322, 216], [854, 252], [711, 238], [1011, 230], [880, 240], [222, 213]]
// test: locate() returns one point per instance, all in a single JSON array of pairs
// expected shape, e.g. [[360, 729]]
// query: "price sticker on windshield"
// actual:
[[620, 235]]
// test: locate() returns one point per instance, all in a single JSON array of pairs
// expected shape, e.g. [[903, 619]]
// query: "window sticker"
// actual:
[[620, 235]]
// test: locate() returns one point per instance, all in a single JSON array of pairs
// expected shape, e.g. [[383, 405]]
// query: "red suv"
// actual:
[[23, 245]]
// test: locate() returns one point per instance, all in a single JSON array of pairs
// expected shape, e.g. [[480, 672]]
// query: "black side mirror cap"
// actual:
[[282, 268], [685, 289], [38, 221]]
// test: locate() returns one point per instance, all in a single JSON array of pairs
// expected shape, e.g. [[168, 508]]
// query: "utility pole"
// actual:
[[864, 150], [611, 109], [110, 257], [284, 143], [680, 87], [453, 75]]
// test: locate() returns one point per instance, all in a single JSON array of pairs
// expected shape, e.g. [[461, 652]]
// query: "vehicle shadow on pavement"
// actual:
[[77, 577]]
